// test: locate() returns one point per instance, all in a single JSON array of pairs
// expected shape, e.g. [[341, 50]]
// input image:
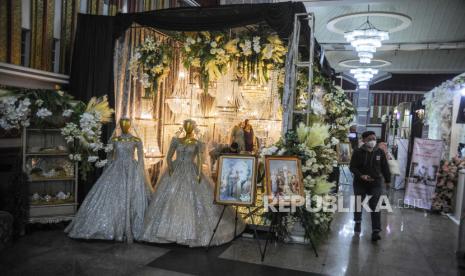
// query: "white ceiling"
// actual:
[[434, 23]]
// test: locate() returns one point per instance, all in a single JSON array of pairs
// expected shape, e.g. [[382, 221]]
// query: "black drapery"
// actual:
[[279, 16], [92, 73], [92, 62]]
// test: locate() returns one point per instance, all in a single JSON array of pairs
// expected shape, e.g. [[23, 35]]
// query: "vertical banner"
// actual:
[[426, 159]]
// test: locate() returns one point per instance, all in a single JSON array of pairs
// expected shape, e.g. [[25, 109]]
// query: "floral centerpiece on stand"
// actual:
[[152, 59], [314, 146]]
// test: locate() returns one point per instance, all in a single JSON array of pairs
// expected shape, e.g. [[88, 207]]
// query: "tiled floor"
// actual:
[[414, 243]]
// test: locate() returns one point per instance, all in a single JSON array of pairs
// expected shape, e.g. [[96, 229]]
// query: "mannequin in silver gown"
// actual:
[[182, 210], [114, 208]]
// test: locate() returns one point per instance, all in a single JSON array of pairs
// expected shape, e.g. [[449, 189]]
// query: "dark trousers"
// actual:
[[374, 190]]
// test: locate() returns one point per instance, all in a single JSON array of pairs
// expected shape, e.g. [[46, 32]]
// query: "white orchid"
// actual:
[[108, 148], [75, 157], [14, 113], [67, 112], [256, 44], [334, 141], [101, 163], [39, 102], [43, 113], [92, 158]]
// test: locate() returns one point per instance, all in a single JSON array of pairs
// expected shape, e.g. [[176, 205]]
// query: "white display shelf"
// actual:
[[49, 213], [45, 179]]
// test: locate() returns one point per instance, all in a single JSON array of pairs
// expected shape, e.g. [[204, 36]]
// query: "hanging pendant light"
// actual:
[[362, 84], [363, 76], [366, 39]]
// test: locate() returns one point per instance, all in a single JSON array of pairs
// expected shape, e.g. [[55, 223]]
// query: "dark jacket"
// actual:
[[372, 163]]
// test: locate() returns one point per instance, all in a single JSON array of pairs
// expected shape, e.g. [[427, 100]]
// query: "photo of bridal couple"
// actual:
[[236, 183], [284, 176]]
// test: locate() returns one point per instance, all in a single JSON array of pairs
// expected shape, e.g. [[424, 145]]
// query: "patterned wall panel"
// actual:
[[42, 19], [4, 31], [37, 24], [15, 32], [47, 37], [10, 31]]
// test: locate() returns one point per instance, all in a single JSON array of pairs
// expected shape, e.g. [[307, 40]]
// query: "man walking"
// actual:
[[369, 164]]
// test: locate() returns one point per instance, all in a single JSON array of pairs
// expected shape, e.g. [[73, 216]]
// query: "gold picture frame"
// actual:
[[236, 182], [284, 177], [344, 153]]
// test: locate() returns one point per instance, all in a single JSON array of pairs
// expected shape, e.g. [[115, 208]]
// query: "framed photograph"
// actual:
[[236, 182], [344, 153], [284, 177]]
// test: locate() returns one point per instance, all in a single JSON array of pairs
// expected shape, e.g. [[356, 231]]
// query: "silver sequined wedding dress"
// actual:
[[114, 208], [182, 209]]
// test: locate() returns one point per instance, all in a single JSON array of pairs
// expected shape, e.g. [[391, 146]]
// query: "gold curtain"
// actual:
[[129, 93], [10, 31]]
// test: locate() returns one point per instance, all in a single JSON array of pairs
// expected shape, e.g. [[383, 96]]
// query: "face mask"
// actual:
[[371, 144]]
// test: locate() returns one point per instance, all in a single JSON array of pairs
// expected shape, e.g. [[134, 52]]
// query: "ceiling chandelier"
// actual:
[[363, 76], [365, 39]]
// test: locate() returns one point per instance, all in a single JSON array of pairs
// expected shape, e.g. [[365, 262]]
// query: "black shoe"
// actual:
[[375, 236], [358, 227]]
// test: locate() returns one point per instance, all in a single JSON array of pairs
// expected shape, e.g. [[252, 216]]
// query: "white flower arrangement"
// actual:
[[75, 157], [67, 113], [92, 158], [152, 60], [340, 111], [206, 51], [39, 102], [438, 109], [87, 136], [84, 137], [108, 148], [43, 113], [269, 151], [14, 113], [101, 163]]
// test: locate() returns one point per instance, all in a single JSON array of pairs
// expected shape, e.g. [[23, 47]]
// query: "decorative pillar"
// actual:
[[363, 109]]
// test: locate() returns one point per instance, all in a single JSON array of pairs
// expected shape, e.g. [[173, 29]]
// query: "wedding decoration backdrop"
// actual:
[[105, 48], [218, 66], [438, 110], [442, 124]]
